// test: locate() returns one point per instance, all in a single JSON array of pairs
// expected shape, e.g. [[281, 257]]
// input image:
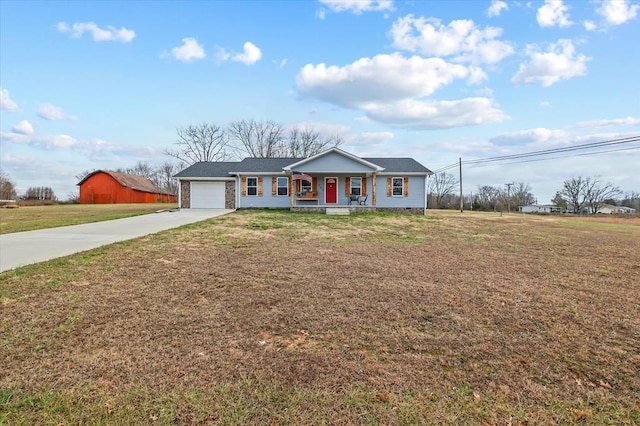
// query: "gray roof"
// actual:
[[208, 169], [265, 165], [399, 165], [275, 165]]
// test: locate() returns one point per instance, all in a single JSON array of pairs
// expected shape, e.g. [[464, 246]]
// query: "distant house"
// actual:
[[610, 209], [540, 208], [106, 187], [332, 178]]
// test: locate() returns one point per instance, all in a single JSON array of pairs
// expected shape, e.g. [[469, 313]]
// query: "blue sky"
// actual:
[[102, 85]]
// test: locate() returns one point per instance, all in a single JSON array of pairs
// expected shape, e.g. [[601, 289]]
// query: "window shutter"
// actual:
[[347, 186], [406, 186], [274, 186], [364, 186], [388, 187], [314, 184], [244, 186], [259, 186]]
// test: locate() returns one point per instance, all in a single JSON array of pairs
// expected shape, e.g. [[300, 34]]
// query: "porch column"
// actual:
[[291, 194], [373, 189]]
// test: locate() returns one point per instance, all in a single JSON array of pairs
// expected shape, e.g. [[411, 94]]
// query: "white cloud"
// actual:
[[391, 88], [251, 54], [99, 34], [222, 55], [627, 121], [355, 6], [378, 79], [461, 39], [189, 50], [5, 101], [50, 112], [23, 128], [553, 13], [589, 25], [368, 139], [533, 137], [618, 12], [496, 8], [560, 62], [416, 114]]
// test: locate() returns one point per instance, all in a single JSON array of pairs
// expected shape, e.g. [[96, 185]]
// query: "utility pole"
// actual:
[[508, 185], [461, 196]]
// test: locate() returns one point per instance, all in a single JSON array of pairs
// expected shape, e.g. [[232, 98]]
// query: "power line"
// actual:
[[565, 156], [591, 145]]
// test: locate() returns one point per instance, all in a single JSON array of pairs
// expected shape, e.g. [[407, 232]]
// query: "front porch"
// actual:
[[333, 207]]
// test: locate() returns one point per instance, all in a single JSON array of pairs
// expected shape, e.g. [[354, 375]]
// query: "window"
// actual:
[[305, 186], [252, 186], [398, 187], [283, 186], [356, 186]]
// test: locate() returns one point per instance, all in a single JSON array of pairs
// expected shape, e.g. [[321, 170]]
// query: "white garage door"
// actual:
[[207, 195]]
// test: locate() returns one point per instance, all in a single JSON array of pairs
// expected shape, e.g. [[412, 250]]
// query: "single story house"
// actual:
[[610, 209], [106, 187], [332, 178], [540, 208]]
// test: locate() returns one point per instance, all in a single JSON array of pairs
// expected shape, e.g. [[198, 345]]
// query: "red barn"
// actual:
[[105, 187]]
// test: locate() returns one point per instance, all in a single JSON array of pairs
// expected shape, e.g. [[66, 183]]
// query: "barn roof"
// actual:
[[135, 182]]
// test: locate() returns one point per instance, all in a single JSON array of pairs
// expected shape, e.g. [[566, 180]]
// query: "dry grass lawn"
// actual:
[[279, 318], [29, 218]]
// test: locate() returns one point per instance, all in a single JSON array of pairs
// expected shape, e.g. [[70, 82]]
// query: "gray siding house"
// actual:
[[333, 178]]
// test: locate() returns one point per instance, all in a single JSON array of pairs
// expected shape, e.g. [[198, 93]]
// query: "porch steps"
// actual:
[[337, 210]]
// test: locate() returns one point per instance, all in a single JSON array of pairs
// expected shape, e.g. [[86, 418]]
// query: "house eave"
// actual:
[[336, 150]]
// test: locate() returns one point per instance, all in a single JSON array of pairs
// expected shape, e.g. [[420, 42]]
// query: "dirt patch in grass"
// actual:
[[275, 318]]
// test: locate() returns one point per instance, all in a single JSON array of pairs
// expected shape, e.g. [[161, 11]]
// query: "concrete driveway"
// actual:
[[24, 248]]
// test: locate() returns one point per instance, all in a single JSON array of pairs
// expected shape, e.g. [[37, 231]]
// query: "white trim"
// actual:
[[275, 173], [180, 194], [325, 188], [278, 186], [392, 173], [338, 151], [257, 186], [351, 178], [401, 180], [213, 179]]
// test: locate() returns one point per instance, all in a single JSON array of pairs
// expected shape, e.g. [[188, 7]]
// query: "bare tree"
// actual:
[[307, 142], [521, 195], [441, 185], [597, 192], [42, 193], [200, 142], [487, 198], [631, 199], [83, 174], [573, 190], [7, 187], [259, 139], [164, 176]]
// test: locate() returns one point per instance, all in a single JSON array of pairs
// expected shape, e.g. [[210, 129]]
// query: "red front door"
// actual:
[[330, 190]]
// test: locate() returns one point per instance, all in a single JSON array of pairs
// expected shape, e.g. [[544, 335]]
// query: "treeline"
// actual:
[[577, 194], [34, 193]]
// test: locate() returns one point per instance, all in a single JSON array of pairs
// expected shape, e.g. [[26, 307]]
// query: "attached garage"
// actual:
[[207, 185], [207, 195]]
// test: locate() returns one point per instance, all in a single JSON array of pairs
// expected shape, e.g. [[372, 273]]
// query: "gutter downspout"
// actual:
[[426, 179], [179, 194]]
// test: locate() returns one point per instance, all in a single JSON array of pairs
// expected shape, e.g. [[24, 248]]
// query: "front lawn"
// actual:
[[264, 317]]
